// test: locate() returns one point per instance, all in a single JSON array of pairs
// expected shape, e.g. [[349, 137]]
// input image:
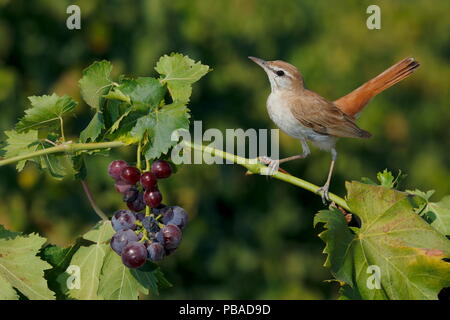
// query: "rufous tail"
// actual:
[[356, 100]]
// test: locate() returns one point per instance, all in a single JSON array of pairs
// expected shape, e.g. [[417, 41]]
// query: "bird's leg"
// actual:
[[324, 189], [274, 165]]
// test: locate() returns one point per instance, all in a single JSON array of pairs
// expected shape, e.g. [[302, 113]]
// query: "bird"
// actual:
[[307, 116]]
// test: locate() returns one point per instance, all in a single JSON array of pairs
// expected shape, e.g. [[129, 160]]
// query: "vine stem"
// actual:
[[138, 156], [67, 147], [255, 167], [90, 197]]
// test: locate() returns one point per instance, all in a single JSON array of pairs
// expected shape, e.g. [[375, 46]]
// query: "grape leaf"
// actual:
[[438, 214], [159, 126], [20, 268], [93, 129], [116, 124], [58, 166], [408, 252], [95, 82], [57, 276], [101, 232], [180, 72], [46, 111], [116, 94], [90, 259], [21, 144], [116, 281], [386, 179], [145, 92], [151, 277]]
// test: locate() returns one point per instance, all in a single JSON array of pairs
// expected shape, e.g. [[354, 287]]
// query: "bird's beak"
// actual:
[[262, 63]]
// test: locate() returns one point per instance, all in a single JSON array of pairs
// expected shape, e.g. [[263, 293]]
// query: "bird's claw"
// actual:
[[273, 165], [323, 191]]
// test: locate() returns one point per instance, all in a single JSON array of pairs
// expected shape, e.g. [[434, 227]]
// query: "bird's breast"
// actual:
[[280, 113]]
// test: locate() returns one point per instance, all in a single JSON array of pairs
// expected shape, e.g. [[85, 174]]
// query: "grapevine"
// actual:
[[404, 233]]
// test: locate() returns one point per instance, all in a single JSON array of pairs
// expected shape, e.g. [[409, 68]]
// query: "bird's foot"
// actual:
[[273, 165], [323, 191]]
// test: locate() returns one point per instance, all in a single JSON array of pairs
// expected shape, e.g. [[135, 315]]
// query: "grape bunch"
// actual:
[[149, 235]]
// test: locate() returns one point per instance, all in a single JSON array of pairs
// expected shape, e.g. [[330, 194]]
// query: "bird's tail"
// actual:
[[356, 100]]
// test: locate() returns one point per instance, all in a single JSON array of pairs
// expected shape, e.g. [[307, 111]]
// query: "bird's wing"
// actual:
[[321, 115]]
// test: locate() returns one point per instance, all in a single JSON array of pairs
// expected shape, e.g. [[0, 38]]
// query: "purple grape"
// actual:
[[161, 209], [122, 186], [140, 216], [115, 168], [150, 224], [155, 252], [134, 255], [130, 175], [130, 195], [123, 220], [121, 239], [169, 236], [138, 204], [161, 169], [175, 215]]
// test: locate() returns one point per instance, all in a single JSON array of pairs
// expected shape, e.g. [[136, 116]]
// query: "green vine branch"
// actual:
[[252, 165], [66, 147], [255, 167]]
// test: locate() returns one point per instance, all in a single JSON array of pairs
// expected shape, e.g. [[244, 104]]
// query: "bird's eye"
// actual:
[[280, 73]]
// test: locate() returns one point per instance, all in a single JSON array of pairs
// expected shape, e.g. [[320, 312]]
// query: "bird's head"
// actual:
[[282, 75]]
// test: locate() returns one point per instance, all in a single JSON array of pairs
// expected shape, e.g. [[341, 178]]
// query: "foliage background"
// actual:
[[249, 237]]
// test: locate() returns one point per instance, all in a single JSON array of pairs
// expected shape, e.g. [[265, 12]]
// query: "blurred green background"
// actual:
[[249, 237]]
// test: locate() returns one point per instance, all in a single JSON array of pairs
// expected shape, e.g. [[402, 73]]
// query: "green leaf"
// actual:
[[116, 281], [180, 72], [57, 276], [20, 268], [21, 144], [101, 232], [46, 111], [93, 129], [438, 215], [336, 236], [95, 82], [151, 277], [408, 252], [159, 126], [58, 166], [116, 94], [145, 92], [386, 179], [116, 124], [90, 261]]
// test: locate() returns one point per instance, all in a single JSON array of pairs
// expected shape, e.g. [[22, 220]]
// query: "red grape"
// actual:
[[130, 175], [161, 169], [134, 255], [153, 198], [115, 168], [148, 180], [169, 236]]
